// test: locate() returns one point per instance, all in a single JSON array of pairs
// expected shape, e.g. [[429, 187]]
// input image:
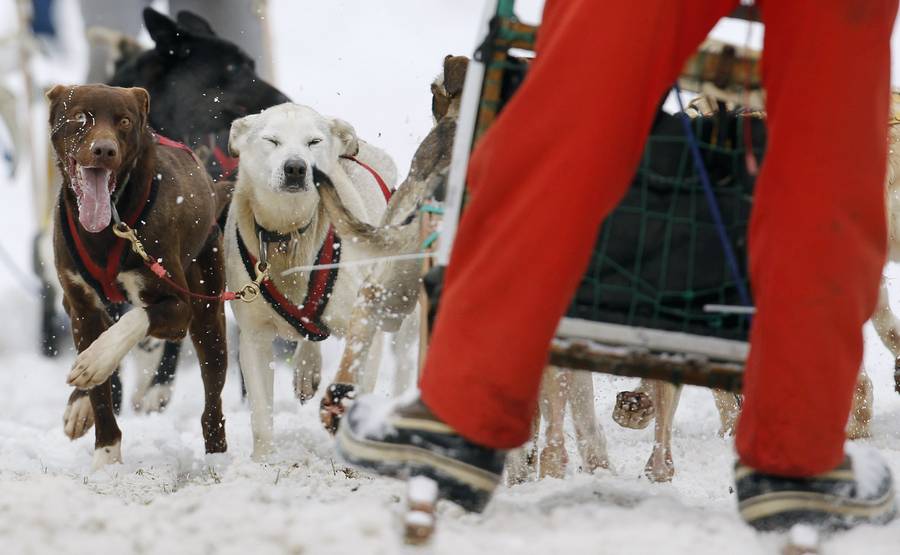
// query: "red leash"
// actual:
[[385, 190], [247, 293]]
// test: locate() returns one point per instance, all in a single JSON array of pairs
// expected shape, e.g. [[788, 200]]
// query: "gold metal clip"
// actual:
[[123, 231]]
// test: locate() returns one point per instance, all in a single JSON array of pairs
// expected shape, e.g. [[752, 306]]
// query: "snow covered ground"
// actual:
[[371, 63]]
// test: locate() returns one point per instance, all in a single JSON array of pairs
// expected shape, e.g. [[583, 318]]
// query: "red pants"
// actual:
[[562, 155]]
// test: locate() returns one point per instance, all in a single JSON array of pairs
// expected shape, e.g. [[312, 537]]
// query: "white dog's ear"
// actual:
[[347, 135], [238, 135]]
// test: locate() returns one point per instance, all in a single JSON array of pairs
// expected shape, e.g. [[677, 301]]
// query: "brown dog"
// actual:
[[112, 164]]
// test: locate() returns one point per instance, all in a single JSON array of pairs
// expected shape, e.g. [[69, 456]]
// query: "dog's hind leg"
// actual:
[[368, 372], [405, 356], [859, 425], [307, 370], [554, 392], [660, 467], [521, 463], [729, 407], [156, 362], [588, 432], [888, 329], [207, 329]]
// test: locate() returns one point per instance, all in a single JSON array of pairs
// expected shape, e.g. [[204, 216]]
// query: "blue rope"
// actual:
[[712, 202]]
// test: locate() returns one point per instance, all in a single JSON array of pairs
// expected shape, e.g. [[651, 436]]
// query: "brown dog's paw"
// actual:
[[78, 417], [633, 410], [660, 467], [553, 461], [334, 404]]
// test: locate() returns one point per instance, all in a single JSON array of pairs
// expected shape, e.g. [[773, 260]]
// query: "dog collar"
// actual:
[[269, 236]]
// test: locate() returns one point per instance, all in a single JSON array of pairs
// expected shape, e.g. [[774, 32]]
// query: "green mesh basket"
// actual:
[[658, 259]]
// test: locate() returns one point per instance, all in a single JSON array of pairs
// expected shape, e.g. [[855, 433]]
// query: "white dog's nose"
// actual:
[[295, 175]]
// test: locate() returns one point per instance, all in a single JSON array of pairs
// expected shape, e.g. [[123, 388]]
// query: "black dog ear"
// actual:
[[163, 31], [194, 24]]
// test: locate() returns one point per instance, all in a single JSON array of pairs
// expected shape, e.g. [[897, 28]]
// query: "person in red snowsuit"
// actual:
[[559, 159]]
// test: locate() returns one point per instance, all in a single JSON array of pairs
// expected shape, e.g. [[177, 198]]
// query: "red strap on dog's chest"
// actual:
[[106, 275], [385, 190]]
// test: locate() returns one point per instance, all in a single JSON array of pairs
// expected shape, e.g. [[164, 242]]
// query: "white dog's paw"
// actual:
[[155, 399], [306, 382], [95, 365], [78, 416], [111, 454]]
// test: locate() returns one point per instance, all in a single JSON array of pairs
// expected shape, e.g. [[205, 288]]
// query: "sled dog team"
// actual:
[[308, 192]]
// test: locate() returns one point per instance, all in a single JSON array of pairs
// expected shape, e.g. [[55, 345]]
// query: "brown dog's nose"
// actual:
[[104, 149]]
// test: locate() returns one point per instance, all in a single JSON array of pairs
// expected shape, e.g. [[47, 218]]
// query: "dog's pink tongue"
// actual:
[[94, 211]]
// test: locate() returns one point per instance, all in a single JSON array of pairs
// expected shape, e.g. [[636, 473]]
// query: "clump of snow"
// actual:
[[421, 490], [804, 536], [869, 468]]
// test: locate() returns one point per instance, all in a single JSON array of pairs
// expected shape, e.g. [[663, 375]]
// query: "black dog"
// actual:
[[199, 83]]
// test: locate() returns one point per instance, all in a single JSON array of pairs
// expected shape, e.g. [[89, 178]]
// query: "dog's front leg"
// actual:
[[95, 365], [588, 432], [256, 359], [660, 467], [553, 395], [307, 370]]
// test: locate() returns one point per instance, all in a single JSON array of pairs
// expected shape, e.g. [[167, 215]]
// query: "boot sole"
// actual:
[[464, 484], [781, 510]]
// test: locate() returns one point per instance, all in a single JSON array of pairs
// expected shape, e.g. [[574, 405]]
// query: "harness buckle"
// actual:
[[123, 231], [251, 291]]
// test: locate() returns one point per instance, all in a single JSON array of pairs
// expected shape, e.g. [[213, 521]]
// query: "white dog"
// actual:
[[276, 216]]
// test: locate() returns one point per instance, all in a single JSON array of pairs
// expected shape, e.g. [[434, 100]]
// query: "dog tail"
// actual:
[[378, 241]]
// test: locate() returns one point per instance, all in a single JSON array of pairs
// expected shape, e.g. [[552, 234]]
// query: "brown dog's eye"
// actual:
[[125, 123], [80, 118]]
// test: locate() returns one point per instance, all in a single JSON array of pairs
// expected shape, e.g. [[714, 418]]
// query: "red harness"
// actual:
[[103, 278], [307, 318], [227, 164]]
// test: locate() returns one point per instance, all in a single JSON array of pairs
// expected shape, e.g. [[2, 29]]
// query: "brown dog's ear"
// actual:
[[238, 134], [56, 92], [54, 95], [347, 135], [143, 101], [455, 74]]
